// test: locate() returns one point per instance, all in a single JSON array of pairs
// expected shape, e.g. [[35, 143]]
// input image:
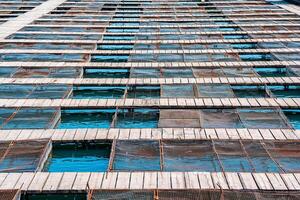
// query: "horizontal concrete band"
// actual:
[[161, 33], [258, 3], [190, 8], [167, 13], [73, 181], [144, 4], [240, 24], [164, 13], [259, 81], [168, 2], [175, 9], [214, 1], [251, 7], [235, 64], [141, 1], [80, 135], [172, 19], [201, 19], [175, 103], [109, 52], [204, 41]]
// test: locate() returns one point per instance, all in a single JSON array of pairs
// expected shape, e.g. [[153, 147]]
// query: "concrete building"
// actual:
[[140, 99]]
